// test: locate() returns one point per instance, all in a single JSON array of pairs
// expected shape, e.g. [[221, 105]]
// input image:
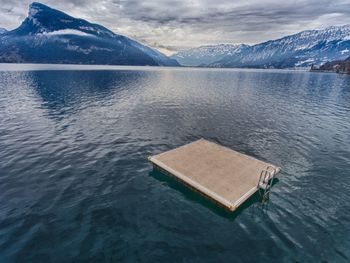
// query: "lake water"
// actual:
[[76, 186]]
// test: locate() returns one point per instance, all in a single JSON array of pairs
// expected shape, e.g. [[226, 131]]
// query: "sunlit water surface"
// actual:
[[76, 186]]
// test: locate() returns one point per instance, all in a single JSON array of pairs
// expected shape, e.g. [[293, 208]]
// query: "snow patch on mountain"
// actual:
[[88, 50], [34, 9]]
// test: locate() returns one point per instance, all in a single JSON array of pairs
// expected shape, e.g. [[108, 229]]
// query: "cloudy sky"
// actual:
[[172, 25]]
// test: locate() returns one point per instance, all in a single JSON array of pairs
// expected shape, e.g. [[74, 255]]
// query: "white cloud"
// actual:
[[66, 32]]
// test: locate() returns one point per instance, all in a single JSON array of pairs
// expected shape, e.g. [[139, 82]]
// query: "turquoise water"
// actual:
[[75, 184]]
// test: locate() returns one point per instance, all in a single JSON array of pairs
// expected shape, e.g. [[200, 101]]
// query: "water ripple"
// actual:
[[75, 184]]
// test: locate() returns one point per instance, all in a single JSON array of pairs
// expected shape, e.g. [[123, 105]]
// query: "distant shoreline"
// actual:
[[45, 66], [328, 71]]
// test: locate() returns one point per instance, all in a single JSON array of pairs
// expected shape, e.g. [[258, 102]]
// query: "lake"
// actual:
[[76, 186]]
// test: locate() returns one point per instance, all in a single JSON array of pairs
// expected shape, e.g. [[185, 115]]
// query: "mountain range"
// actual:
[[304, 49], [51, 36], [205, 55]]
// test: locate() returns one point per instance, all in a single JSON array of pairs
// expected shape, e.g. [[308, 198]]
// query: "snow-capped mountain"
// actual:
[[204, 55], [51, 36], [299, 50], [2, 30]]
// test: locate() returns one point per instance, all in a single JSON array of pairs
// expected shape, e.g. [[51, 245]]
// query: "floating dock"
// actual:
[[223, 175]]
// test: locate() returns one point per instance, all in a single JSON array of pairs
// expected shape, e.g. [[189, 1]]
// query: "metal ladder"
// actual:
[[265, 182]]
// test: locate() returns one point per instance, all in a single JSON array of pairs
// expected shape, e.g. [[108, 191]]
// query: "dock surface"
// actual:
[[221, 174]]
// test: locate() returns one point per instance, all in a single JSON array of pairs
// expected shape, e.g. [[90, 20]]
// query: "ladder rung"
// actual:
[[263, 186]]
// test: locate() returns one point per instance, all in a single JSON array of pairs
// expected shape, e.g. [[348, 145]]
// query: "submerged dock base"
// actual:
[[223, 175]]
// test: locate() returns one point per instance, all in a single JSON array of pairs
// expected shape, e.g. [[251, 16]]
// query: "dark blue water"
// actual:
[[75, 184]]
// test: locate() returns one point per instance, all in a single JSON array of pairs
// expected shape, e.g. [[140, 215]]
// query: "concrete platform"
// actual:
[[227, 177]]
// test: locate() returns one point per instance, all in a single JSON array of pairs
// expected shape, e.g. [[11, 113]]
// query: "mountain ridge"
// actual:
[[203, 55], [48, 35], [302, 49]]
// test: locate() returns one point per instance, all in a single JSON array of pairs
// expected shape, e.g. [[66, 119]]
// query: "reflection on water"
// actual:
[[75, 184]]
